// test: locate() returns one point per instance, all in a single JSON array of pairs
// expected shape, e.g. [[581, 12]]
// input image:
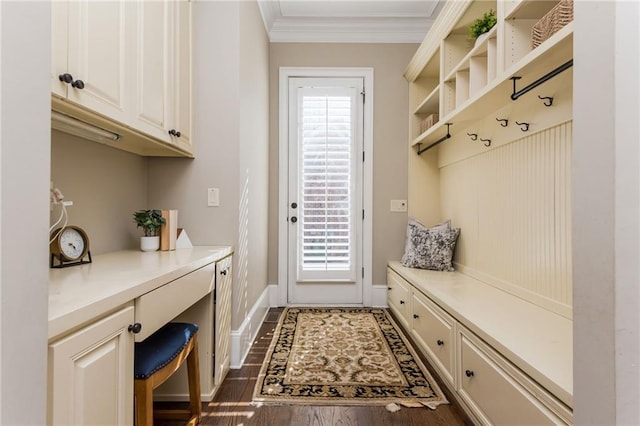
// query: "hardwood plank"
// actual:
[[232, 404]]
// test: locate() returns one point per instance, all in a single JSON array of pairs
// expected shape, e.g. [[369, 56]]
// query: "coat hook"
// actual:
[[548, 100], [473, 136], [504, 122], [487, 142], [525, 126]]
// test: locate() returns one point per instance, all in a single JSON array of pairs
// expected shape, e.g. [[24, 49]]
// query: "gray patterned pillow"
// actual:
[[429, 248]]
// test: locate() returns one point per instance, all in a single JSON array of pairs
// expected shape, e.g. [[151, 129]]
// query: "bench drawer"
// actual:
[[398, 296], [497, 396], [158, 307], [434, 330]]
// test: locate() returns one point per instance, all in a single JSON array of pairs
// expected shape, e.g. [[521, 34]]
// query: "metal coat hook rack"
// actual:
[[473, 136], [442, 139], [523, 126], [548, 100], [487, 142], [504, 122], [517, 93]]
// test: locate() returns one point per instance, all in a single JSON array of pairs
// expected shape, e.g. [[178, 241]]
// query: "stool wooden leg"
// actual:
[[193, 372], [144, 402]]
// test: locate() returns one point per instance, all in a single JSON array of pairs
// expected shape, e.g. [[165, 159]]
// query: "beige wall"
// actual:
[[25, 55], [106, 186], [230, 138], [390, 136]]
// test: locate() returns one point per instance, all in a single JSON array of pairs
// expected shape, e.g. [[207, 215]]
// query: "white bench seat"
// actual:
[[535, 340]]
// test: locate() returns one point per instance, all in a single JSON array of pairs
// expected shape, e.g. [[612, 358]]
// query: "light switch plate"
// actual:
[[398, 205], [213, 197]]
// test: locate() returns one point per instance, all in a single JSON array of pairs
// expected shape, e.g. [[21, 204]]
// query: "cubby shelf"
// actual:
[[550, 54]]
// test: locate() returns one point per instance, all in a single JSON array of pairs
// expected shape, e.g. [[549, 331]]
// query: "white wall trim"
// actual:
[[242, 338], [367, 189]]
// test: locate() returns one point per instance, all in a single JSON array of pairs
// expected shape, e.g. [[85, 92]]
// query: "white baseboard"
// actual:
[[380, 296], [242, 338]]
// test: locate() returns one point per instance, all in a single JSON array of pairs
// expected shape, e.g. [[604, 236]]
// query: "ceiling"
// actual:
[[349, 21]]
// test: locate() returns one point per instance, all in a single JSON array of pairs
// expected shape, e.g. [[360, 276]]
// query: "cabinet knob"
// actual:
[[66, 78], [223, 272], [402, 302], [389, 288], [416, 316], [468, 373], [440, 342], [78, 84], [294, 219], [135, 328], [174, 132]]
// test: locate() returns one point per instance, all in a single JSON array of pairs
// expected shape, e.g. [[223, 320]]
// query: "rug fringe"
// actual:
[[393, 407]]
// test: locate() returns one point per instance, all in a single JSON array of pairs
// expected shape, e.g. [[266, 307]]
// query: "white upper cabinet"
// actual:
[[126, 66], [90, 56]]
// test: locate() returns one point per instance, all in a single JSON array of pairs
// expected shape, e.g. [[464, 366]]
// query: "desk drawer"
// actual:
[[158, 307]]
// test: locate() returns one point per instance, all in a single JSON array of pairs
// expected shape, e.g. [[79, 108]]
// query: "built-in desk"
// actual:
[[92, 310]]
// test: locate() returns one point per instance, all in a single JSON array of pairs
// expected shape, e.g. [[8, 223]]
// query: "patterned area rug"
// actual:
[[343, 356]]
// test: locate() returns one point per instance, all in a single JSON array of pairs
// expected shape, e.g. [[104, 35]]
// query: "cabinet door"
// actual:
[[398, 297], [153, 38], [494, 394], [97, 55], [91, 374], [59, 46], [223, 319], [182, 66], [433, 329]]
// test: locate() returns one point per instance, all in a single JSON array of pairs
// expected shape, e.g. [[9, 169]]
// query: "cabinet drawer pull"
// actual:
[[78, 84], [389, 288], [440, 342], [174, 132], [224, 271], [468, 373], [416, 316], [135, 328], [402, 302]]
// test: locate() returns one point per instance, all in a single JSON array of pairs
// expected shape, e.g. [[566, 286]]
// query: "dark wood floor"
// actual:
[[232, 404]]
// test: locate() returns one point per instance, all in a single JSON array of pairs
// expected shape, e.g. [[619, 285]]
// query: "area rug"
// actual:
[[343, 356]]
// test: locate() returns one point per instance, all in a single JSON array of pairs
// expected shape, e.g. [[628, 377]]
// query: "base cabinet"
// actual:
[[91, 374], [222, 355]]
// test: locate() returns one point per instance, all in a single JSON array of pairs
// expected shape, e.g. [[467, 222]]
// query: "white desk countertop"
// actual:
[[80, 294]]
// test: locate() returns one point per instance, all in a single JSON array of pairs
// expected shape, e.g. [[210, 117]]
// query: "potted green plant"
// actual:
[[482, 25], [150, 222]]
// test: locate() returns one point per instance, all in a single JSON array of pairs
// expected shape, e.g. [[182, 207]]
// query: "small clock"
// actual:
[[69, 246]]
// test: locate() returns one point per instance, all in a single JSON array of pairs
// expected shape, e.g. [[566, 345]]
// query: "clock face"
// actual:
[[72, 244]]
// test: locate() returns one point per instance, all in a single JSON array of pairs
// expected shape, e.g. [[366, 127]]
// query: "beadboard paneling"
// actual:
[[513, 204]]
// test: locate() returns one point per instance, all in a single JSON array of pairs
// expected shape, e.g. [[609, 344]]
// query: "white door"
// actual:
[[325, 209]]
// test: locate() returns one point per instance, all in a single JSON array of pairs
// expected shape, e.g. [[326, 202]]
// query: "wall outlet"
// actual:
[[213, 197], [398, 205]]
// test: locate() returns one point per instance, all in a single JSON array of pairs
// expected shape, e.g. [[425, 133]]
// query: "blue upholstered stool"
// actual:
[[156, 359]]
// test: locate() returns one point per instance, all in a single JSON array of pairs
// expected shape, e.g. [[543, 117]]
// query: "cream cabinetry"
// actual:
[[126, 67], [91, 373], [90, 56], [162, 33], [222, 354], [493, 362], [399, 297], [463, 81]]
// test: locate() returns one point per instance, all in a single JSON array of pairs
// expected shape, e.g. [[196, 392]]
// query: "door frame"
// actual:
[[366, 73]]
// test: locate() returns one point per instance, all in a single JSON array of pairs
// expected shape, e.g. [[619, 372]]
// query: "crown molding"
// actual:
[[397, 29]]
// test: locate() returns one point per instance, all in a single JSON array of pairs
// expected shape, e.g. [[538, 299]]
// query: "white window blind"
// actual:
[[327, 182]]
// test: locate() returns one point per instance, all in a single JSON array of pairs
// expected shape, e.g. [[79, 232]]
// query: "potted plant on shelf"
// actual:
[[482, 26], [150, 221]]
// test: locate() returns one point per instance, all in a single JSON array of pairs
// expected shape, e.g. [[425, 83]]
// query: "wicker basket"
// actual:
[[552, 22], [429, 121]]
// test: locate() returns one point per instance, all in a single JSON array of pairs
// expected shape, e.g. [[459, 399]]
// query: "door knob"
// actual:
[[294, 219], [66, 78], [294, 205], [78, 84], [135, 328]]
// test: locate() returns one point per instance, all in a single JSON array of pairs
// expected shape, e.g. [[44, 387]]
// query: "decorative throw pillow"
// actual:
[[430, 248]]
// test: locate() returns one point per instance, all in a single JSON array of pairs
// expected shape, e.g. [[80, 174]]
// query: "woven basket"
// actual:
[[552, 22], [428, 122]]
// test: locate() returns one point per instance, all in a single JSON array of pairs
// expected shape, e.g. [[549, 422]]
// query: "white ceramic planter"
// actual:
[[149, 243]]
